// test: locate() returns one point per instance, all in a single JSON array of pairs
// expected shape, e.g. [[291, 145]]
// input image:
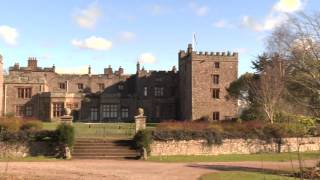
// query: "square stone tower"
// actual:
[[204, 78]]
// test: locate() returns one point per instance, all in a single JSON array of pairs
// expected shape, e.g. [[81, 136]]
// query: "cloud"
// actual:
[[288, 6], [199, 10], [147, 58], [73, 70], [88, 18], [127, 36], [93, 42], [222, 24], [9, 34], [158, 9], [277, 15]]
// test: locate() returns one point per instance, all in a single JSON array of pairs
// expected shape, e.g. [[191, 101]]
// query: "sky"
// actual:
[[74, 34]]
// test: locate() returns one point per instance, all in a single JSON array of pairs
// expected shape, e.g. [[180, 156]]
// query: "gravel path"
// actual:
[[123, 170]]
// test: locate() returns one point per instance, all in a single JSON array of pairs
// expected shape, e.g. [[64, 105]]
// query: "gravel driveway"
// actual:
[[122, 169]]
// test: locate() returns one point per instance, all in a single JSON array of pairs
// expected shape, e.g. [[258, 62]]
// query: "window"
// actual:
[[145, 91], [72, 105], [124, 112], [110, 111], [158, 91], [216, 93], [57, 109], [19, 110], [216, 79], [29, 110], [94, 114], [62, 85], [217, 65], [24, 93], [101, 86], [80, 86], [216, 116]]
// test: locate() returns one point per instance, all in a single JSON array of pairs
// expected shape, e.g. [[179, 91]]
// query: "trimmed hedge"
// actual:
[[66, 134], [143, 139]]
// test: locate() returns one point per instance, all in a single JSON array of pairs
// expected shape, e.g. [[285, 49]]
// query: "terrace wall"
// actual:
[[232, 146]]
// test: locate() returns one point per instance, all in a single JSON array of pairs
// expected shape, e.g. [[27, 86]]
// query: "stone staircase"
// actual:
[[104, 149]]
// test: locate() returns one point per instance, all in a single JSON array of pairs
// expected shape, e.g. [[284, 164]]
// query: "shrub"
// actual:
[[189, 131], [14, 137], [143, 139], [10, 125], [32, 125], [66, 134]]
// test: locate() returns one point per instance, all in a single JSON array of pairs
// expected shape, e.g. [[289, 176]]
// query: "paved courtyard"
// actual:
[[123, 170]]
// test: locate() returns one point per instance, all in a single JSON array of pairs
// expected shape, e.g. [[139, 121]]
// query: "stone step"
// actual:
[[103, 151], [105, 157], [105, 154], [102, 147]]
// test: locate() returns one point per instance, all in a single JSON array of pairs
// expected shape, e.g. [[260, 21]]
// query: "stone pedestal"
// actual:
[[66, 119], [140, 122]]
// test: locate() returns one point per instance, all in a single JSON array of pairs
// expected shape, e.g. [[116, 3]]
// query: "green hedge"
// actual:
[[66, 134], [143, 139]]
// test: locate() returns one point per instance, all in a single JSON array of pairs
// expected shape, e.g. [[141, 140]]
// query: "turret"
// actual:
[[108, 70], [32, 63]]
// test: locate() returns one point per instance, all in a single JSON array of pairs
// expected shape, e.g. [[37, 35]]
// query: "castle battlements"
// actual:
[[183, 53]]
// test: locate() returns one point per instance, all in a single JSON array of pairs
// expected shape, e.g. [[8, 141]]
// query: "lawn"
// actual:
[[29, 159], [278, 157], [239, 175], [101, 130]]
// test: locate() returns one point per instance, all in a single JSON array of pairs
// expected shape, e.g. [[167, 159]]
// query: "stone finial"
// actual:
[[140, 112], [67, 111]]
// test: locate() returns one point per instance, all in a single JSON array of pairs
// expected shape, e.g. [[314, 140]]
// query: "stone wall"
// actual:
[[20, 150], [232, 146]]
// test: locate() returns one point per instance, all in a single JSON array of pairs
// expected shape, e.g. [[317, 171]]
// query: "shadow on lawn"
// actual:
[[241, 168]]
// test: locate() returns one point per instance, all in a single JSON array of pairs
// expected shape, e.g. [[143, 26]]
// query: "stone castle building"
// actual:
[[197, 90]]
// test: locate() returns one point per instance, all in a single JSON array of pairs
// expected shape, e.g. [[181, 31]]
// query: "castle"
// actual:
[[197, 90]]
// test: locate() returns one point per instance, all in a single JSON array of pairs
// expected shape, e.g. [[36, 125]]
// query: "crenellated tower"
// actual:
[[204, 77]]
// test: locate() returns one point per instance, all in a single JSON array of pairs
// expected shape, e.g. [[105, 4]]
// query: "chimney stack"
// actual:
[[189, 48]]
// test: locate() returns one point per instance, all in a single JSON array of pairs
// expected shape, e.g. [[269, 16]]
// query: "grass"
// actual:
[[29, 159], [239, 175], [101, 130], [278, 157]]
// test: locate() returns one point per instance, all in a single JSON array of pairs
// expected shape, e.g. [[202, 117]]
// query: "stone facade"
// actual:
[[204, 78], [114, 96], [232, 146]]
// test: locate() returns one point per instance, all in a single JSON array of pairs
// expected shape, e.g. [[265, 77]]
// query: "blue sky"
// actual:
[[76, 33]]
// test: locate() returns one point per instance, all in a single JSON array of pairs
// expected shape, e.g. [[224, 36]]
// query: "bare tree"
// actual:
[[298, 41], [268, 89]]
